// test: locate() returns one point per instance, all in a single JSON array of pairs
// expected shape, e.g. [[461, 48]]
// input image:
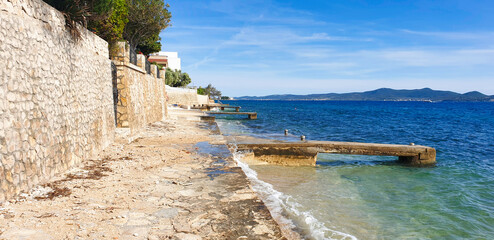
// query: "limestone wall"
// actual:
[[56, 104], [141, 96], [202, 99], [185, 97]]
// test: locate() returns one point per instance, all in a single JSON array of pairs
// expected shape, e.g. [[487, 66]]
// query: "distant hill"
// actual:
[[384, 94]]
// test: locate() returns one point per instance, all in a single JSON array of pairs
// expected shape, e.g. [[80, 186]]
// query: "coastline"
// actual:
[[178, 180]]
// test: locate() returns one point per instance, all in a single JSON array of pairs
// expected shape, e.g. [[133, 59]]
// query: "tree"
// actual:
[[212, 92], [215, 94], [201, 91], [171, 77], [108, 20], [150, 45], [208, 88], [177, 78], [147, 18], [185, 79]]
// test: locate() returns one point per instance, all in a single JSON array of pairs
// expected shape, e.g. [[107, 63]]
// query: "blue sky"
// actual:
[[320, 46]]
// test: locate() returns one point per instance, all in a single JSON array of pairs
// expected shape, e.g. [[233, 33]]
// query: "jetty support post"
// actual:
[[253, 116], [282, 156], [208, 118], [422, 159], [250, 115]]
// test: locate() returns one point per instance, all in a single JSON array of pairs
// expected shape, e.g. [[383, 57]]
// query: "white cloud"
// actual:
[[275, 36], [454, 35], [263, 11], [432, 58], [199, 63], [210, 28], [397, 57]]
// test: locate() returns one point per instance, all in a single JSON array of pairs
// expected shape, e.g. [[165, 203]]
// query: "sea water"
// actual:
[[372, 197]]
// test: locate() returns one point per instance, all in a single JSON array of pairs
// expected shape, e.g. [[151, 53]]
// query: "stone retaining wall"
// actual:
[[203, 99], [56, 103], [185, 97], [141, 96]]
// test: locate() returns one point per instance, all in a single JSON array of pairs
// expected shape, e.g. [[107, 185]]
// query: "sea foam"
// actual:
[[286, 211]]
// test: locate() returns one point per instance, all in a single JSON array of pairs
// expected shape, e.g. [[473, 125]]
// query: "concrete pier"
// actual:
[[251, 115], [208, 118], [237, 109], [208, 107], [305, 153]]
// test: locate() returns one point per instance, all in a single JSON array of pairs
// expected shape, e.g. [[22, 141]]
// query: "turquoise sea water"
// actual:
[[367, 197]]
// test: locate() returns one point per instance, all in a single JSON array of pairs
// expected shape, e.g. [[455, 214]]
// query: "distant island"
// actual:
[[383, 94]]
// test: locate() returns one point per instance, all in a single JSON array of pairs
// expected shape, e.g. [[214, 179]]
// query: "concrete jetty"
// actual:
[[237, 108], [305, 153], [208, 107], [251, 115]]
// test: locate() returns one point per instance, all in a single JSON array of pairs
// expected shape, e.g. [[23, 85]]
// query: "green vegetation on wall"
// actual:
[[109, 21], [160, 67], [75, 12], [138, 21]]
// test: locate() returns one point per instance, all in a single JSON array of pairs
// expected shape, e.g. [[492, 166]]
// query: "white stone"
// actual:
[[11, 97], [186, 236]]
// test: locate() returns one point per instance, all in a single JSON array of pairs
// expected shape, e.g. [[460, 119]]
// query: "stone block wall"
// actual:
[[141, 96], [203, 99], [185, 97], [56, 103]]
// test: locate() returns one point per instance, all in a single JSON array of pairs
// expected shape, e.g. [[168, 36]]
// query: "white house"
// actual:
[[167, 59]]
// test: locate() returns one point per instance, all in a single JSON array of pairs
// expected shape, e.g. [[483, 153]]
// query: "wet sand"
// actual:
[[168, 183]]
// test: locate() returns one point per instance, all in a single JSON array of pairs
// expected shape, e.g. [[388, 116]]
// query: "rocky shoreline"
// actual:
[[170, 183]]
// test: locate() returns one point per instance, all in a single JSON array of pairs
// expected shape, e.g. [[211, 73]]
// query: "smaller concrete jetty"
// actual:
[[251, 115], [208, 107], [305, 153], [237, 108]]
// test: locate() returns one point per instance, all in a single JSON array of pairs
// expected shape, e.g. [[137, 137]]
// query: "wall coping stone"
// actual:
[[130, 65], [141, 61], [162, 74], [154, 70]]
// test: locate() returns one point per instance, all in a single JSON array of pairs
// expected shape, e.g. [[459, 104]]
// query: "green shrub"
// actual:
[[109, 20], [75, 12], [174, 78], [201, 91]]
